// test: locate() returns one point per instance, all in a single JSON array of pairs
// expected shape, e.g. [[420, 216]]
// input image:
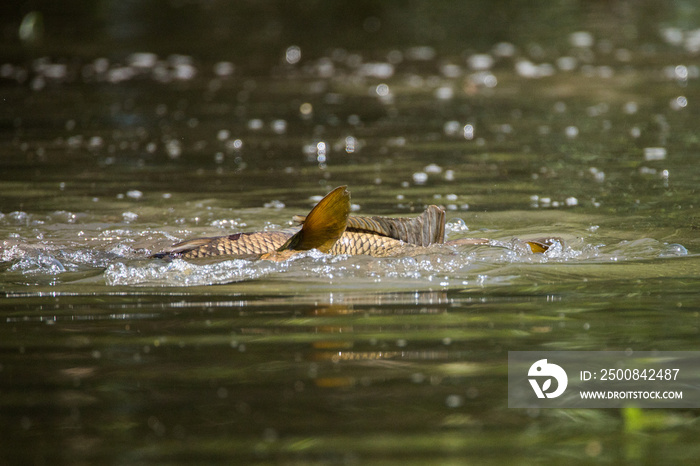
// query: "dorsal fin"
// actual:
[[426, 229], [324, 225]]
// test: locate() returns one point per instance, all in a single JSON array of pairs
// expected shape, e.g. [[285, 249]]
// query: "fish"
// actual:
[[331, 229]]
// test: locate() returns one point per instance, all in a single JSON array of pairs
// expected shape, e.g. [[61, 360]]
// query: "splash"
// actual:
[[183, 273], [308, 266], [439, 266]]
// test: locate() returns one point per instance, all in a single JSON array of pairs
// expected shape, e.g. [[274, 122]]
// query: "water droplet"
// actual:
[[480, 61], [450, 128], [129, 216], [654, 153], [433, 168], [382, 90], [279, 126], [444, 93], [377, 70], [224, 68], [306, 109], [566, 63], [679, 102], [673, 250], [581, 39], [468, 132], [681, 72], [255, 124], [350, 144], [631, 107], [420, 177], [454, 401], [293, 55]]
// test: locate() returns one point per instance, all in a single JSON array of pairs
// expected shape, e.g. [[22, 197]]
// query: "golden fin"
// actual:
[[537, 247], [324, 225], [541, 245]]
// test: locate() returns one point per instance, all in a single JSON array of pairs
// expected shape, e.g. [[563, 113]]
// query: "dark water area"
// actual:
[[126, 127]]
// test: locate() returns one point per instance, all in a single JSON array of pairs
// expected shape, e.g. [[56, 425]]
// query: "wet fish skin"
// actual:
[[239, 244], [356, 243], [266, 242]]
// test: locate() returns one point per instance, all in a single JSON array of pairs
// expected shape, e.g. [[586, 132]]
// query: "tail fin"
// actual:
[[428, 228], [324, 225]]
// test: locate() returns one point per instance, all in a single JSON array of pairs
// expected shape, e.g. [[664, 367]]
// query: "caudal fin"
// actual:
[[324, 225], [426, 229]]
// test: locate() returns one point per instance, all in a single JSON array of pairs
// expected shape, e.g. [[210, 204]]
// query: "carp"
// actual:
[[331, 229]]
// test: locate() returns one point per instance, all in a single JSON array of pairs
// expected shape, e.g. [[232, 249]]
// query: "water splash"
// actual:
[[438, 265], [124, 262], [182, 273], [311, 265]]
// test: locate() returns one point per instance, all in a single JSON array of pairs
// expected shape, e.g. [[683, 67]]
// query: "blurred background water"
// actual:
[[128, 126]]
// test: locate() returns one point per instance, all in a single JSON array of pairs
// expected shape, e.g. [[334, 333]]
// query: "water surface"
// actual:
[[108, 356]]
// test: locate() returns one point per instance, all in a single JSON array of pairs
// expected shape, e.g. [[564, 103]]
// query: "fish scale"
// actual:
[[240, 244], [258, 243], [355, 243]]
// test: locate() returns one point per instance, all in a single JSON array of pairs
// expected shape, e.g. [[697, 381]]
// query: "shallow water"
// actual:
[[107, 356]]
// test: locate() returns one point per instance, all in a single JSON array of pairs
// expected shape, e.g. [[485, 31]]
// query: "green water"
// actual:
[[109, 357]]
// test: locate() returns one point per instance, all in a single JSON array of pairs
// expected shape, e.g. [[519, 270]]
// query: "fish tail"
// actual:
[[426, 229]]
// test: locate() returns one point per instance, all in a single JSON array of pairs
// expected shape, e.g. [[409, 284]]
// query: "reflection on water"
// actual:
[[252, 378], [157, 123]]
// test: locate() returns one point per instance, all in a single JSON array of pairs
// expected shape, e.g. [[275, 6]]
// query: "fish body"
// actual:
[[266, 242], [330, 229], [239, 244]]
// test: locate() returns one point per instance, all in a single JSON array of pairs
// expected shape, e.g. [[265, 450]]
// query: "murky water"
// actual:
[[109, 357]]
